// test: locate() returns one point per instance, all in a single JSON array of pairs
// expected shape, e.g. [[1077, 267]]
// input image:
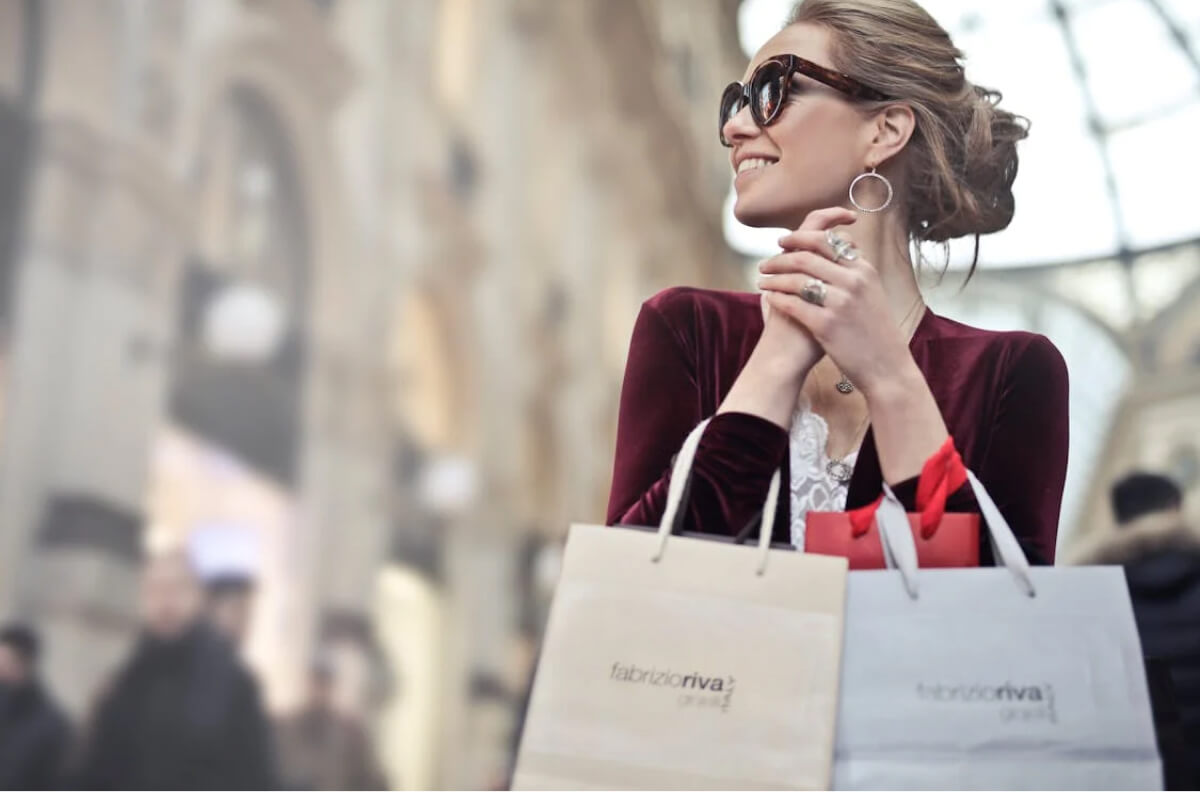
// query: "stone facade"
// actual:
[[476, 198]]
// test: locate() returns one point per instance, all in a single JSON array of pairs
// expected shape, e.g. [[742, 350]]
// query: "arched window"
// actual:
[[238, 372]]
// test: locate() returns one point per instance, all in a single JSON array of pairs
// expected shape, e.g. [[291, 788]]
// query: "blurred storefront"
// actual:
[[293, 284]]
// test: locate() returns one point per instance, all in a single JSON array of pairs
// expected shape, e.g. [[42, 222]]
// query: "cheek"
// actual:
[[818, 155], [814, 166]]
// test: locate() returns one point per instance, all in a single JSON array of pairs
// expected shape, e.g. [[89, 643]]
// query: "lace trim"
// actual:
[[812, 488]]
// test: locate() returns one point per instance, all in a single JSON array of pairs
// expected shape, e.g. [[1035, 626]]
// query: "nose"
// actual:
[[741, 127]]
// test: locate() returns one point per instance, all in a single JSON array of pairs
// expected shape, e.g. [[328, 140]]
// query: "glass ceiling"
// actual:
[[1112, 88]]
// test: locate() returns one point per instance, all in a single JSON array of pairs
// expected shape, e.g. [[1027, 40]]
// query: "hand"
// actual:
[[784, 337], [854, 326]]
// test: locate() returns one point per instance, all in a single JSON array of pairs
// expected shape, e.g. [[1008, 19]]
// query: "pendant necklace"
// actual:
[[838, 468]]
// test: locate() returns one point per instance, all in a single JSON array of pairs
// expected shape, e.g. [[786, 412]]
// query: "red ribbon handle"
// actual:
[[942, 474]]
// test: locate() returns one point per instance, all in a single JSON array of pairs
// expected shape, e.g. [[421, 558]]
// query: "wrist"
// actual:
[[781, 364], [894, 388], [767, 385]]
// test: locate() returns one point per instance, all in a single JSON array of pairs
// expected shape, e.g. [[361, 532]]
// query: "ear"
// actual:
[[890, 131]]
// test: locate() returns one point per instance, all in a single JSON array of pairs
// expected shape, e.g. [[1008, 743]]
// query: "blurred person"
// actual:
[[856, 126], [323, 748], [229, 605], [34, 734], [182, 712], [1161, 557]]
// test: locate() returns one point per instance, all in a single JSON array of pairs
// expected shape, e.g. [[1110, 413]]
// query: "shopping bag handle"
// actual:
[[900, 549], [680, 474], [942, 474]]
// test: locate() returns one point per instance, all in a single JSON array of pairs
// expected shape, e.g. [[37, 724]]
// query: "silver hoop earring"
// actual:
[[871, 174]]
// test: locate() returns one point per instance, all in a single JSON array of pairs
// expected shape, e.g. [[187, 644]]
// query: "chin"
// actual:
[[765, 217]]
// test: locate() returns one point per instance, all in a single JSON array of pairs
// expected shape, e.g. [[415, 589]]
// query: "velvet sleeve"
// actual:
[[1025, 467], [660, 405]]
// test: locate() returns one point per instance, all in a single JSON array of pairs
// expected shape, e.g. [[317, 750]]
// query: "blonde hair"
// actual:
[[962, 158]]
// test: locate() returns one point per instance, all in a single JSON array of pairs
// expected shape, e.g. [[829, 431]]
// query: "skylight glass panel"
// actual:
[[1132, 67], [1157, 177]]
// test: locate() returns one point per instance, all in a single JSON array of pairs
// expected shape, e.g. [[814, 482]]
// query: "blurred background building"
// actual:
[[337, 294]]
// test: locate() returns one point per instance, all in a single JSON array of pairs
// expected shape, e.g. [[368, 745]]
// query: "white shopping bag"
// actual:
[[677, 663], [995, 678]]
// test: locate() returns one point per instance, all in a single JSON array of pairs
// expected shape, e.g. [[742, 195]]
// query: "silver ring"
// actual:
[[814, 292], [842, 248]]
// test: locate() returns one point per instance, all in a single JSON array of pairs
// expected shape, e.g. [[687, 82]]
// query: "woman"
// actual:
[[858, 128]]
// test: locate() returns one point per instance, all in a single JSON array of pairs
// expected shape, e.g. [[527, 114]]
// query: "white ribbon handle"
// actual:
[[900, 549], [1005, 546], [679, 478]]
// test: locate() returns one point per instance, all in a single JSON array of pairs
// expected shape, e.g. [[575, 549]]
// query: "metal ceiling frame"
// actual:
[[1102, 132]]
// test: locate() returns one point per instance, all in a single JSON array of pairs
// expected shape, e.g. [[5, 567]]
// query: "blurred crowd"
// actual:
[[1161, 556], [182, 711]]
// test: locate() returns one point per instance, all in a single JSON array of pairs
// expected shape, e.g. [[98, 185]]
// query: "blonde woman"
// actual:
[[856, 126]]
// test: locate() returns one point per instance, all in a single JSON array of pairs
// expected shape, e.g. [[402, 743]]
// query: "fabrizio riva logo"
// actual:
[[1013, 702], [694, 689]]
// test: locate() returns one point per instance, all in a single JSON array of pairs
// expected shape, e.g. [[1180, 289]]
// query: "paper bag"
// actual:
[[994, 678], [676, 663]]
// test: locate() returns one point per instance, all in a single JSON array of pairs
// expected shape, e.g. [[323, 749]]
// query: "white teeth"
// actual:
[[751, 163]]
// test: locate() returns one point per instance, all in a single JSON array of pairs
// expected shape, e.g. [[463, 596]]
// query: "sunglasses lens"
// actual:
[[767, 88], [731, 103]]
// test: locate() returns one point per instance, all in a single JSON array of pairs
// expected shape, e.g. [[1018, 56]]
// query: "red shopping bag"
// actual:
[[953, 543], [942, 539]]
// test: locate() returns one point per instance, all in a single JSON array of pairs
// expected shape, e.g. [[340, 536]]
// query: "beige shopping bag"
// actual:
[[679, 663]]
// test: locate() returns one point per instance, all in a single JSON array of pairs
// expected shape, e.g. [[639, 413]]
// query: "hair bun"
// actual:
[[981, 199], [961, 161]]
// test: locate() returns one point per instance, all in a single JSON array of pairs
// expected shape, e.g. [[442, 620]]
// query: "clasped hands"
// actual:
[[822, 296]]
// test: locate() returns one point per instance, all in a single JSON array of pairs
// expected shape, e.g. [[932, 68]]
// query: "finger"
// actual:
[[794, 285], [795, 271], [807, 264], [810, 316], [813, 241], [822, 219]]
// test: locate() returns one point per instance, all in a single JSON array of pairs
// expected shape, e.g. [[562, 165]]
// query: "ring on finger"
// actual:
[[814, 292], [842, 248]]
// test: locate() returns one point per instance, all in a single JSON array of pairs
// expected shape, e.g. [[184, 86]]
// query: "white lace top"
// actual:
[[812, 488]]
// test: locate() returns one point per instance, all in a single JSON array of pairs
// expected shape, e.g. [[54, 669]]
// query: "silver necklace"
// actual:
[[839, 471], [837, 468], [844, 385]]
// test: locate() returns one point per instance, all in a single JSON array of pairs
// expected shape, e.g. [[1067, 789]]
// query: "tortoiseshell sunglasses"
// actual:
[[767, 90]]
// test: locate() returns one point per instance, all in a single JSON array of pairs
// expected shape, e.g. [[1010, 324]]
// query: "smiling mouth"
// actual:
[[754, 164]]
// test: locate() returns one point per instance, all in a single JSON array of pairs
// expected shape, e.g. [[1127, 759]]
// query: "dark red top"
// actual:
[[1003, 396]]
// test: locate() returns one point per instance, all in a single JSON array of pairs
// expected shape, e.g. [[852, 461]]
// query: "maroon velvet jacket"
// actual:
[[1003, 397]]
